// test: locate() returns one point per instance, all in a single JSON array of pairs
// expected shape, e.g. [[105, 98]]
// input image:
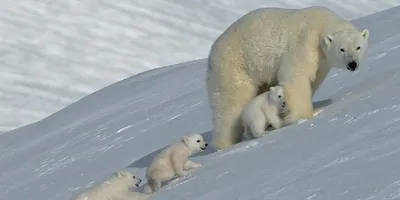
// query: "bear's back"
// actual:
[[270, 18]]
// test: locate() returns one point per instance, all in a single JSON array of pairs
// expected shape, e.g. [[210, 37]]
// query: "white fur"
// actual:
[[343, 47], [115, 188], [295, 48], [263, 110], [173, 161], [136, 196]]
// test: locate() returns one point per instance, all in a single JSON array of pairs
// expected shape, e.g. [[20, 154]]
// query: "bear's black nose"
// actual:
[[206, 144], [284, 103], [352, 65]]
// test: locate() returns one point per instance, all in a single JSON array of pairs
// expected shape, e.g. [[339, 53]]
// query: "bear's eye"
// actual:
[[342, 50], [358, 48], [198, 141], [133, 177], [279, 96]]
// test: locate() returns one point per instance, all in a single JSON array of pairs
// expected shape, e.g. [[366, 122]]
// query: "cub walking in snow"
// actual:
[[115, 188], [173, 161], [263, 110]]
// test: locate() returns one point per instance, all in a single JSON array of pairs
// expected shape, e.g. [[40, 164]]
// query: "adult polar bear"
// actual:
[[295, 48]]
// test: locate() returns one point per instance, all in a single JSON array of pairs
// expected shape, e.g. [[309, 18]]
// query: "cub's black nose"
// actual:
[[284, 103], [352, 66], [206, 144]]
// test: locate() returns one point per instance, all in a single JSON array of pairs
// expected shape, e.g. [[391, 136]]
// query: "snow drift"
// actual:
[[347, 152]]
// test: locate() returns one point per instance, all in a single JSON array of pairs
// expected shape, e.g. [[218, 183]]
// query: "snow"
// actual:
[[55, 52], [348, 151]]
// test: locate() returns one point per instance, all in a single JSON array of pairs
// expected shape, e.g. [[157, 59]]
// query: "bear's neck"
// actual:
[[272, 105], [186, 149]]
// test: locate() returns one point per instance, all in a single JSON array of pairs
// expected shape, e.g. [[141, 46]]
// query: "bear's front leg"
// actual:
[[274, 120], [190, 165], [298, 100], [296, 72], [246, 134], [177, 163]]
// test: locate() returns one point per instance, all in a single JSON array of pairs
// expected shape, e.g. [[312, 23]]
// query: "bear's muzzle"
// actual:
[[352, 65]]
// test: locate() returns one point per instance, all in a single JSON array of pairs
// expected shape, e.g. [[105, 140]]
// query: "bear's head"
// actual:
[[276, 97], [345, 49], [195, 142], [127, 177]]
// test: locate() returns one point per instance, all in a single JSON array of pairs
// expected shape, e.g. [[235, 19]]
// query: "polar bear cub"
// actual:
[[116, 188], [173, 161], [263, 110]]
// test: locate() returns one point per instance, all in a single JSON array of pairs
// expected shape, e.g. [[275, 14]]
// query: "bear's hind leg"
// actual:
[[258, 126], [228, 106], [153, 184], [228, 96], [274, 120]]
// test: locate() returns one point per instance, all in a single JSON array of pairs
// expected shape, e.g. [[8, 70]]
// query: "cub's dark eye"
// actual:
[[279, 96], [342, 50], [358, 48], [198, 141], [133, 177]]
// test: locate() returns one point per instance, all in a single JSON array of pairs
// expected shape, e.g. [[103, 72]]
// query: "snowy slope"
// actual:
[[349, 151], [54, 52]]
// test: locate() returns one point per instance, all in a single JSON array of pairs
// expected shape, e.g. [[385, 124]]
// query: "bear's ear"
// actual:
[[328, 40], [185, 139], [118, 174], [272, 88], [365, 34]]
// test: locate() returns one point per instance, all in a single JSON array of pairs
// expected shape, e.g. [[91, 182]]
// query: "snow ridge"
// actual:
[[56, 52]]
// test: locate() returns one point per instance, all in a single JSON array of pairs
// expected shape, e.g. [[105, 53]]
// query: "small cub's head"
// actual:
[[195, 142], [131, 180], [276, 96], [345, 49]]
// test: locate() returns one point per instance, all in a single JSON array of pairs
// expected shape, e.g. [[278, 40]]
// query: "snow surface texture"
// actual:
[[350, 151], [54, 52]]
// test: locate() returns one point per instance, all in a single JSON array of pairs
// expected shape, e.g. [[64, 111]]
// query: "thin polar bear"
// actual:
[[295, 48]]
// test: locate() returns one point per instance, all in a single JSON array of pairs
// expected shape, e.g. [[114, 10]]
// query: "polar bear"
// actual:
[[116, 188], [263, 110], [173, 160], [295, 48]]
